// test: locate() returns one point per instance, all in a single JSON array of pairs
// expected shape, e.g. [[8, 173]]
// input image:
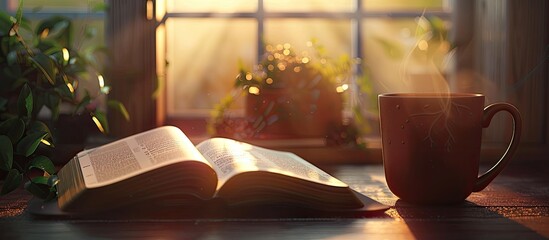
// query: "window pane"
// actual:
[[403, 5], [212, 6], [308, 5], [203, 57], [54, 5], [335, 35], [404, 55]]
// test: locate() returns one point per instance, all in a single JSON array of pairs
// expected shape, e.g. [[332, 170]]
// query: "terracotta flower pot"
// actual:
[[291, 113]]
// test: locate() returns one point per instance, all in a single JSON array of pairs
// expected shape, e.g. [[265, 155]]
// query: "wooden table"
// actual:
[[514, 206]]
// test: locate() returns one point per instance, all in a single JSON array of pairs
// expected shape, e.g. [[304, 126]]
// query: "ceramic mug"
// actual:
[[431, 144]]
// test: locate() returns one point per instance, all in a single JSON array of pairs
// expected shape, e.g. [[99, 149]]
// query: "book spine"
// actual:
[[73, 186]]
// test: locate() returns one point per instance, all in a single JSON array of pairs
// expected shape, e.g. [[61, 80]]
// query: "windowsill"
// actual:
[[316, 151]]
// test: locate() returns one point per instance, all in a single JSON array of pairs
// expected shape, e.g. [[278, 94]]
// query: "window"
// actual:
[[200, 43], [87, 19]]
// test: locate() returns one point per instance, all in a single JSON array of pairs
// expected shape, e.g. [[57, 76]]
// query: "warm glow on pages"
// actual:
[[230, 158]]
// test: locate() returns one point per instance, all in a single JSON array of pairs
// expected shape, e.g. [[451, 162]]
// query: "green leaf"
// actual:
[[5, 23], [19, 14], [43, 187], [64, 91], [37, 188], [100, 121], [84, 102], [52, 101], [118, 106], [58, 28], [54, 49], [40, 180], [46, 66], [24, 102], [13, 128], [29, 143], [12, 181], [38, 102], [6, 153], [38, 126], [43, 163]]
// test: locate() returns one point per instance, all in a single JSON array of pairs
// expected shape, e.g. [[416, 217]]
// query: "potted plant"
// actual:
[[288, 95], [42, 73]]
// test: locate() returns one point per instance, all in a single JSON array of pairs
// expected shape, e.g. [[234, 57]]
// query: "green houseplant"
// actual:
[[287, 95], [42, 68]]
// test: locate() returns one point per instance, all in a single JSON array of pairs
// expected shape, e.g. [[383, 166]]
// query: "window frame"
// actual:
[[195, 124], [356, 16]]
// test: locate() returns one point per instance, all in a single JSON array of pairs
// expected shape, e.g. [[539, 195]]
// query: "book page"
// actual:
[[229, 157], [136, 154]]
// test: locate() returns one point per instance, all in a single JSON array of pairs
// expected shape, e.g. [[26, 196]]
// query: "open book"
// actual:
[[162, 168]]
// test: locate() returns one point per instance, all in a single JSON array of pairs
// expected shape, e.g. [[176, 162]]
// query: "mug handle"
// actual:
[[489, 112]]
